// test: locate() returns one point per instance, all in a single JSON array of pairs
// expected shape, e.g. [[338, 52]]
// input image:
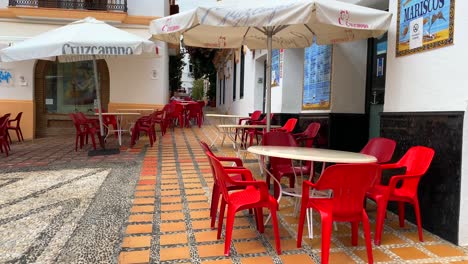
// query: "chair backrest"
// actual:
[[193, 109], [381, 148], [77, 122], [18, 119], [310, 133], [290, 125], [349, 183], [255, 115], [5, 116], [279, 139]]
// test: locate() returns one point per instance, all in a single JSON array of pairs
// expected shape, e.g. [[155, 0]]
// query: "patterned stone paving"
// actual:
[[169, 220]]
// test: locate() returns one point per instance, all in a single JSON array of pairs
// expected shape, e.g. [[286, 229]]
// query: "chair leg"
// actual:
[[367, 236], [221, 218], [93, 141], [380, 218], [401, 213], [300, 228], [417, 213], [354, 233], [327, 226], [214, 205], [274, 222], [18, 135], [21, 133], [259, 218], [229, 226]]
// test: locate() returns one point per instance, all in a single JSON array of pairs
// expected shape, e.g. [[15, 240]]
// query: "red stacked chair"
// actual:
[[4, 145], [256, 132], [306, 138], [193, 113], [402, 188], [254, 196], [146, 124], [14, 124], [253, 117], [83, 129], [177, 113], [281, 167], [288, 127], [381, 148], [348, 184], [216, 192]]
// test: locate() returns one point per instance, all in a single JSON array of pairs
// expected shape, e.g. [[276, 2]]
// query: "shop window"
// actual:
[[234, 82], [242, 66], [69, 87]]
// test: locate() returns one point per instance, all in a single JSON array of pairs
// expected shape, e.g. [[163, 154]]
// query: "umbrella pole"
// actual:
[[98, 97], [269, 33]]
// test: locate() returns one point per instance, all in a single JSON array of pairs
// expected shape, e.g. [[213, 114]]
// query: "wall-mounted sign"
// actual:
[[317, 77], [424, 25], [6, 78]]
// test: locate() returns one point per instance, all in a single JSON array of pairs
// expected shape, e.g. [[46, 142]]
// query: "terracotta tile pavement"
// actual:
[[169, 222]]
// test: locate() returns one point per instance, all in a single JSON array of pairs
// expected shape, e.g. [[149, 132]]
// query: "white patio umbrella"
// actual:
[[87, 39], [270, 24]]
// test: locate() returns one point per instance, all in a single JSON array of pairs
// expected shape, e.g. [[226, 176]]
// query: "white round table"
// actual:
[[306, 154], [119, 116], [223, 119]]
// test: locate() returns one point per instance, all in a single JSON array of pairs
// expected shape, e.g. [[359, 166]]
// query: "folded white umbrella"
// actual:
[[270, 24], [87, 39]]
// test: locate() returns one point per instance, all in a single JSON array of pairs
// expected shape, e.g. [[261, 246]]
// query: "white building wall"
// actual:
[[435, 80], [3, 3], [293, 73], [19, 91], [159, 8]]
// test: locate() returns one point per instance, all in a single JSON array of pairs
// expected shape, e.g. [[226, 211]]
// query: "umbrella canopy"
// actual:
[[271, 25], [81, 40], [87, 39]]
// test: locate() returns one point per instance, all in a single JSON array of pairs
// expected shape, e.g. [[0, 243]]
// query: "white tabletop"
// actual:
[[247, 126], [118, 113], [226, 116], [312, 154]]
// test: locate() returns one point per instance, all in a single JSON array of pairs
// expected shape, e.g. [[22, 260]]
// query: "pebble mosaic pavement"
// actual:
[[151, 205]]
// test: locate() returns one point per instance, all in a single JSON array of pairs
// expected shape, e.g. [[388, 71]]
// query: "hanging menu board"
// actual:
[[317, 77]]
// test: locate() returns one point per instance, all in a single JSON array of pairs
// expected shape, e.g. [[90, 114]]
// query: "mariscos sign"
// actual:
[[424, 25]]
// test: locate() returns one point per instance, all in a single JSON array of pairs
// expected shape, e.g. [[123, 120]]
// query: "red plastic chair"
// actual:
[[83, 129], [255, 195], [4, 145], [16, 127], [308, 135], [306, 139], [146, 124], [416, 161], [381, 148], [247, 120], [280, 167], [108, 120], [288, 127], [216, 192], [349, 184], [202, 105], [193, 112], [256, 132], [177, 113]]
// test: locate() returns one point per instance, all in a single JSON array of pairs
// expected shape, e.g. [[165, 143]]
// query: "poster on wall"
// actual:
[[317, 77], [6, 78], [424, 25], [276, 67]]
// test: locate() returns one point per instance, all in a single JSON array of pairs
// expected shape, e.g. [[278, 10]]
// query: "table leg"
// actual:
[[262, 164]]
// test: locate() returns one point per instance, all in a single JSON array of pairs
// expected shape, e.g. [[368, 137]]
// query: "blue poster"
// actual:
[[275, 68], [317, 77]]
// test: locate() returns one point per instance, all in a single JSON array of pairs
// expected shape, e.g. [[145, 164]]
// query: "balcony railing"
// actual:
[[99, 5]]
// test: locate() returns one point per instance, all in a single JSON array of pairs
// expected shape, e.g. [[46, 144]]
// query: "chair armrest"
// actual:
[[246, 173], [260, 185], [394, 180], [391, 166], [232, 159]]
